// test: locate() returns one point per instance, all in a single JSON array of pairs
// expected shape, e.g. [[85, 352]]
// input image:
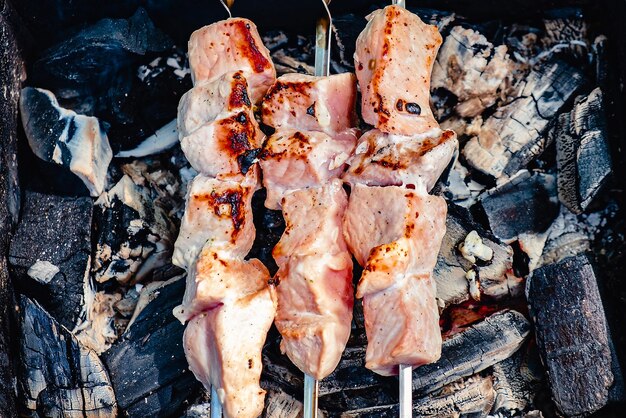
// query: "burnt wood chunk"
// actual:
[[11, 72], [50, 254], [583, 154], [527, 203], [449, 273], [515, 134], [148, 369], [57, 376], [473, 350], [572, 334]]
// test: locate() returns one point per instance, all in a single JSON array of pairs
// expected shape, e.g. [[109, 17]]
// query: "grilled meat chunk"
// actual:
[[393, 60], [314, 280], [395, 234], [231, 45], [382, 159], [311, 103], [293, 160], [219, 212]]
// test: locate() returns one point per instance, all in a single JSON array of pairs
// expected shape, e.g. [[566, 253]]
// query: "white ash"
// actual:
[[460, 188], [473, 284], [43, 271], [163, 139], [473, 248], [98, 332]]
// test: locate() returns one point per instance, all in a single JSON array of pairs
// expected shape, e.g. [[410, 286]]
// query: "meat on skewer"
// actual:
[[228, 304], [301, 163], [392, 226]]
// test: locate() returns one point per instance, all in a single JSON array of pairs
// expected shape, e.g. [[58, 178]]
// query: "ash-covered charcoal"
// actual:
[[133, 235], [583, 154], [565, 30], [279, 404], [474, 395], [57, 376], [473, 350], [50, 254], [569, 236], [473, 70], [60, 136], [514, 135], [158, 380], [516, 381], [452, 267], [90, 62], [526, 204], [572, 334]]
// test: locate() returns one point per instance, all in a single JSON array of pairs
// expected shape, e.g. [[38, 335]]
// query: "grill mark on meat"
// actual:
[[240, 131], [249, 47], [239, 96], [311, 110], [235, 200]]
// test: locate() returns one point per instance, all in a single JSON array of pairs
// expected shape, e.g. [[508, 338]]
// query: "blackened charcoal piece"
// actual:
[[57, 376], [473, 69], [133, 235], [11, 74], [514, 135], [473, 350], [269, 228], [147, 365], [566, 31], [516, 381], [583, 154], [527, 203], [50, 254], [451, 268], [90, 60], [572, 334], [62, 137]]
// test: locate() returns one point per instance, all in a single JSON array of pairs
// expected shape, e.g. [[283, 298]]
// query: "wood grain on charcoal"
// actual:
[[11, 71], [572, 334], [57, 376]]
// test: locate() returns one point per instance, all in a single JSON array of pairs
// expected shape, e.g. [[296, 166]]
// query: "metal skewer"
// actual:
[[322, 68], [405, 376], [216, 406]]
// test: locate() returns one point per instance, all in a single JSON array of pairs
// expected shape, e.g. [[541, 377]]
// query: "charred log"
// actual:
[[50, 254], [583, 154], [473, 350], [514, 135], [57, 376], [159, 381], [571, 329]]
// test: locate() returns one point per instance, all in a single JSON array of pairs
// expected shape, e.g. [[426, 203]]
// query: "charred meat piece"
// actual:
[[382, 159], [219, 212], [394, 57], [223, 347], [293, 159], [314, 280], [231, 45], [310, 103], [395, 234]]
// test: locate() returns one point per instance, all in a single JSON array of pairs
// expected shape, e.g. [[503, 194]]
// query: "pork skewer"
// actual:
[[231, 70], [393, 227]]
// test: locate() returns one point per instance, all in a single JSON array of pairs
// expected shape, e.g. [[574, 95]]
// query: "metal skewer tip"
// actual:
[[216, 406], [406, 391], [310, 396]]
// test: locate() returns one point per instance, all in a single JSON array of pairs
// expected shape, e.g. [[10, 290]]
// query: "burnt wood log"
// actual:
[[583, 154], [147, 365], [473, 350], [57, 376], [514, 135], [572, 334], [11, 72], [50, 254]]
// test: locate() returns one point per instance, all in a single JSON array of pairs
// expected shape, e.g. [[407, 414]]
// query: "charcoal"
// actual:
[[11, 74], [474, 395], [452, 286], [133, 235], [279, 404], [572, 334], [62, 137], [269, 228], [514, 135], [162, 140], [57, 376], [526, 204], [568, 236], [583, 154], [473, 350], [515, 383], [50, 254], [566, 32], [159, 381], [472, 69]]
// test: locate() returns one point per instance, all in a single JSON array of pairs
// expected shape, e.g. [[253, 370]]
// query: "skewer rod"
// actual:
[[406, 395], [216, 406], [401, 3], [311, 388]]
